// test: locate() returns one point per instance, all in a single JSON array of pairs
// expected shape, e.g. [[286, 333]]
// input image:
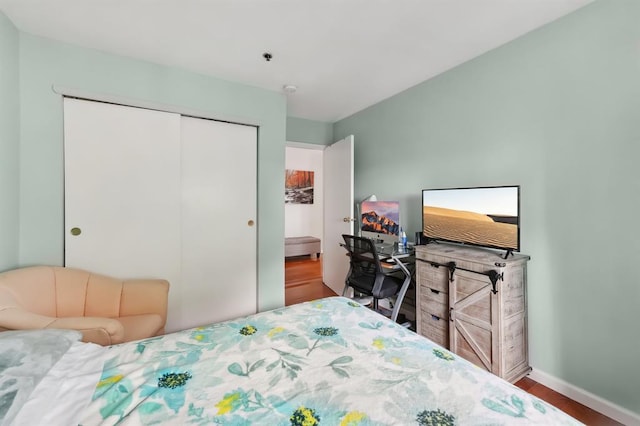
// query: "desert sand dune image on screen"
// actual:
[[468, 227]]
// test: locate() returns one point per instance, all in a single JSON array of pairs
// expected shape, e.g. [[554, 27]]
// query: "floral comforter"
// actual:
[[330, 361]]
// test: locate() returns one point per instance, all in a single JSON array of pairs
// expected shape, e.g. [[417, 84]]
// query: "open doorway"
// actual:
[[325, 172], [304, 223], [304, 199]]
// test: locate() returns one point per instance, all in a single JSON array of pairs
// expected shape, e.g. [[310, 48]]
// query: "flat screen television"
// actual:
[[480, 216], [380, 220]]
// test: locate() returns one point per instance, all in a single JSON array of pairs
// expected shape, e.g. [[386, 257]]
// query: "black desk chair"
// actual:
[[368, 277]]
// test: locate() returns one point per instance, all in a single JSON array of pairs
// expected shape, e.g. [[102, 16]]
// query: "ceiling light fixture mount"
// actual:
[[267, 56], [289, 88]]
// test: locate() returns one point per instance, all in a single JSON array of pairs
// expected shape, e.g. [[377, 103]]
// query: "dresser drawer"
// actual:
[[434, 302], [435, 329], [435, 277]]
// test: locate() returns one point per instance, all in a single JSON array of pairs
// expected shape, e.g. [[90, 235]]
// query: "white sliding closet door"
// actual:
[[122, 180], [219, 207], [155, 194]]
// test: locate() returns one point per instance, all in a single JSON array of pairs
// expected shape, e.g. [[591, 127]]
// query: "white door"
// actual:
[[338, 211], [219, 208], [122, 180]]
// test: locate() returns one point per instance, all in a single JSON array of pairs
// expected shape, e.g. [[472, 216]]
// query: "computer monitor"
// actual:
[[380, 220]]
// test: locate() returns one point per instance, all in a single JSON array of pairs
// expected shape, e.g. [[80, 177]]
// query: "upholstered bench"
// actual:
[[302, 246]]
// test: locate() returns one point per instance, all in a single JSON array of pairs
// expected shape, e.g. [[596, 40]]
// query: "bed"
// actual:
[[330, 361]]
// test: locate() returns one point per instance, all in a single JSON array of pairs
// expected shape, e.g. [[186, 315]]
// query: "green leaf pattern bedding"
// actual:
[[331, 361]]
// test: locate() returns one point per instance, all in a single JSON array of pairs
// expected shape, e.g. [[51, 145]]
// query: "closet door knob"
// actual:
[[250, 222], [75, 231]]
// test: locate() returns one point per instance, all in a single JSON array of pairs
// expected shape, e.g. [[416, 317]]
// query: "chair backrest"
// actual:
[[57, 291], [362, 254], [31, 288], [367, 276]]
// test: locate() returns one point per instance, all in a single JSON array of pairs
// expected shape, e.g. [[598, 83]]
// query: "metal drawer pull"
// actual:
[[434, 291], [435, 317]]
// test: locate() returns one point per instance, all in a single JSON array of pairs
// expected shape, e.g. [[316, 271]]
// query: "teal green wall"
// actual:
[[558, 112], [9, 144], [309, 131], [44, 63]]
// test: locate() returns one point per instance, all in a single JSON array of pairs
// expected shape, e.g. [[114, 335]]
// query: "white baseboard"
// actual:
[[601, 405]]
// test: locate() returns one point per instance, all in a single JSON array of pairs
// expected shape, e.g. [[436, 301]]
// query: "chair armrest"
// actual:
[[144, 296], [16, 318], [103, 331]]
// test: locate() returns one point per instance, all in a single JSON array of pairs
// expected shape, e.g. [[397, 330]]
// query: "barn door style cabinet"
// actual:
[[473, 302]]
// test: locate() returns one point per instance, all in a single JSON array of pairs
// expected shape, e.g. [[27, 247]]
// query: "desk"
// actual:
[[397, 252], [403, 259], [398, 257]]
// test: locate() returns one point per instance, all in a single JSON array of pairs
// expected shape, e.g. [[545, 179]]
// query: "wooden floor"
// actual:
[[303, 282]]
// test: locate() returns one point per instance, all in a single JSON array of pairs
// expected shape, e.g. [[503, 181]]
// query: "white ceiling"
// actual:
[[343, 55]]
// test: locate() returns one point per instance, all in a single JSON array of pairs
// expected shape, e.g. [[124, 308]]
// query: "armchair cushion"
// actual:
[[105, 310]]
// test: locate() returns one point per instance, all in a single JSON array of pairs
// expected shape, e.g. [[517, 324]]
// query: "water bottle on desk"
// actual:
[[403, 240]]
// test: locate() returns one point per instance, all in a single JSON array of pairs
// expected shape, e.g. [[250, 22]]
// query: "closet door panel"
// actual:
[[122, 186], [219, 204], [155, 194]]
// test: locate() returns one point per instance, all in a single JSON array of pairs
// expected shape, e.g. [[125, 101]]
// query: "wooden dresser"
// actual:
[[473, 302]]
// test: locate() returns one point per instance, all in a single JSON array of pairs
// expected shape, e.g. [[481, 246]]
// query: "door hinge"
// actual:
[[452, 269], [494, 276]]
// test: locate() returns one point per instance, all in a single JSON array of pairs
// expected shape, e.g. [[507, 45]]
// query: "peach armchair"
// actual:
[[106, 310]]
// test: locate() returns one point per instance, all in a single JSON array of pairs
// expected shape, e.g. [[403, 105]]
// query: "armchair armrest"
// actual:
[[103, 331], [16, 318], [144, 296]]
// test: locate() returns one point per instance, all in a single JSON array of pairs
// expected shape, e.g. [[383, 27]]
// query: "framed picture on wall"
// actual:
[[298, 187]]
